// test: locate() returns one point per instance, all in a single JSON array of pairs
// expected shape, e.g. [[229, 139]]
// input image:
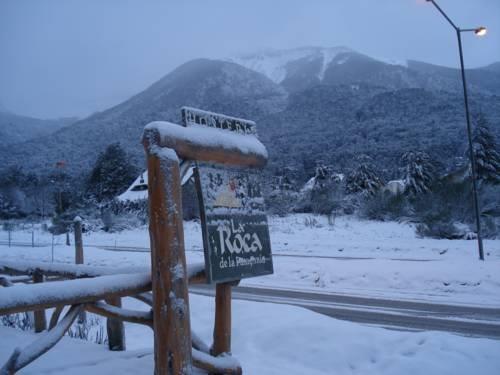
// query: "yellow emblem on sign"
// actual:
[[227, 197]]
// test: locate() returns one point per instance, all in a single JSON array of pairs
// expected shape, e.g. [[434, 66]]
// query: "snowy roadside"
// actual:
[[368, 258], [276, 340]]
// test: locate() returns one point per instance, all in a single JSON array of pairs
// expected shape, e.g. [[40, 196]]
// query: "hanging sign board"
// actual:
[[234, 222]]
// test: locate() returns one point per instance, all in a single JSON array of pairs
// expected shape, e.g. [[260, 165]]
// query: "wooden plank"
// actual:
[[172, 335], [110, 311], [71, 292], [66, 270], [40, 319], [216, 365], [78, 241], [222, 326], [47, 340], [115, 328], [195, 149], [196, 272], [55, 316]]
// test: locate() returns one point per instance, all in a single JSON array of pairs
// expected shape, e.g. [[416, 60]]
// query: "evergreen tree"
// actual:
[[322, 190], [364, 179], [112, 174], [486, 152], [420, 172]]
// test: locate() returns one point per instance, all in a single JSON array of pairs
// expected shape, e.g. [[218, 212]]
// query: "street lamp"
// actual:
[[479, 31]]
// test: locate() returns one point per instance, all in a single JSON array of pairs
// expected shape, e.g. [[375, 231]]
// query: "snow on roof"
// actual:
[[400, 182], [308, 185], [138, 190]]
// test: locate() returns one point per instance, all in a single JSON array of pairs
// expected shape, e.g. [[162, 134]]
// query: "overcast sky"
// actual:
[[74, 57]]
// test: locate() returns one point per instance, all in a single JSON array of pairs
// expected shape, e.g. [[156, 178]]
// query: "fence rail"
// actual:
[[86, 288]]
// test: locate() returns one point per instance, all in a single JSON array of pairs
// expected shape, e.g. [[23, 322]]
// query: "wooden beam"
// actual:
[[196, 272], [40, 319], [5, 282], [222, 326], [22, 358], [216, 365], [55, 316], [188, 145], [110, 311], [172, 334], [66, 270], [147, 298], [78, 240], [114, 326], [70, 292]]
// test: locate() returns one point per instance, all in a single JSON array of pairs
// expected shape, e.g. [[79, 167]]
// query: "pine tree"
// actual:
[[364, 179], [486, 152], [112, 174], [420, 172]]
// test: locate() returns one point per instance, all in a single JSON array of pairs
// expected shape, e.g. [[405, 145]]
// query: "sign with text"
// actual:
[[234, 222]]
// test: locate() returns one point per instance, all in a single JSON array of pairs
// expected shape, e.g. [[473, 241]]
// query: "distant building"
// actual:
[[137, 191]]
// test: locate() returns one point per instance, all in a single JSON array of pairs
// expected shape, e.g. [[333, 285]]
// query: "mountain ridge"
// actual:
[[359, 104], [300, 68]]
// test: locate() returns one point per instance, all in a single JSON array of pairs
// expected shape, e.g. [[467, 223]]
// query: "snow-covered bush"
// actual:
[[91, 329], [23, 321], [363, 179], [420, 172], [440, 229], [385, 205]]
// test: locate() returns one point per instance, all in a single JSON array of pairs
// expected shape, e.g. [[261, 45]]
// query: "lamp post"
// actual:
[[479, 31]]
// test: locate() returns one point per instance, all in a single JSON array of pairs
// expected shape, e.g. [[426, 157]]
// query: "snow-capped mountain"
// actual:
[[302, 68], [310, 104], [278, 64]]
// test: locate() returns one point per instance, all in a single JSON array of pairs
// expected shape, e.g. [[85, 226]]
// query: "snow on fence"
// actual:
[[176, 347]]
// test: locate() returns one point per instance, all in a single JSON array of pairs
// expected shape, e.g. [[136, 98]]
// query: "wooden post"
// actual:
[[82, 317], [52, 251], [172, 331], [222, 326], [78, 240], [40, 319], [115, 328]]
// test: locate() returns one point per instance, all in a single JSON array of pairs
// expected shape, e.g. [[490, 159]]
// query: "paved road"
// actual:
[[138, 249], [408, 315]]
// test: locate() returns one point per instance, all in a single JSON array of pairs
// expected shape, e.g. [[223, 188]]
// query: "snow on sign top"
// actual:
[[192, 116], [204, 136]]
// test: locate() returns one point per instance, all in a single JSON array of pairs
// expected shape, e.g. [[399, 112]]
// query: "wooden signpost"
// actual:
[[234, 226], [234, 223]]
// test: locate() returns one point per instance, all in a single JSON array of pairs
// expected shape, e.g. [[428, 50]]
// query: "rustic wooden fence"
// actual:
[[164, 287]]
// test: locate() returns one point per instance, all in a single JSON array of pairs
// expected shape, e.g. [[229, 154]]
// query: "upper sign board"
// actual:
[[234, 223]]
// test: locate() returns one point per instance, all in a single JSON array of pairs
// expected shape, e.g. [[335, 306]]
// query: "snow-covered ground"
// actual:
[[349, 256], [277, 340]]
